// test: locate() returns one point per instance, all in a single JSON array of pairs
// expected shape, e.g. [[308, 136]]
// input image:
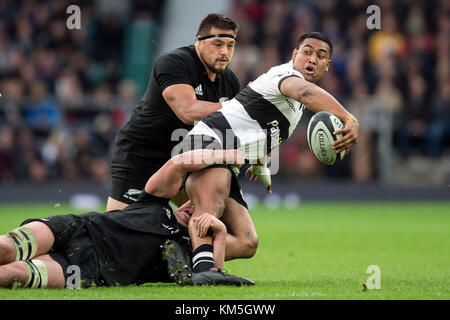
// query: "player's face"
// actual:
[[216, 53], [312, 59], [183, 214]]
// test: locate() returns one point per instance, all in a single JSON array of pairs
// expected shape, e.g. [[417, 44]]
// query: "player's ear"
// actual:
[[328, 65], [294, 54]]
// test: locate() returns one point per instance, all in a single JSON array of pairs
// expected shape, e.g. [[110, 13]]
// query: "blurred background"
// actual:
[[66, 93]]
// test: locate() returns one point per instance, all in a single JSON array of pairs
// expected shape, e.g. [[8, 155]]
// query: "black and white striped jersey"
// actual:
[[260, 117]]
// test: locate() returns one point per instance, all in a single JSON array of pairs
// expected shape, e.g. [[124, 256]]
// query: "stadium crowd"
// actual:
[[65, 93]]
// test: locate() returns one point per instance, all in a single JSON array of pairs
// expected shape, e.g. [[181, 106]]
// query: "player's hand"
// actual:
[[187, 207], [350, 136], [260, 173], [208, 222]]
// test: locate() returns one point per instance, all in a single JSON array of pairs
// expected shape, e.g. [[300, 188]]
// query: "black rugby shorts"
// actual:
[[73, 247]]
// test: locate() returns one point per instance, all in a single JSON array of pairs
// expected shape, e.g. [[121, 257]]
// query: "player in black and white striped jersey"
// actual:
[[259, 116], [266, 112], [257, 120]]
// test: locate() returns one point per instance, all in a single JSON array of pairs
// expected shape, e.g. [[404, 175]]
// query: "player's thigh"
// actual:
[[114, 204], [239, 223], [55, 272], [209, 189], [43, 237]]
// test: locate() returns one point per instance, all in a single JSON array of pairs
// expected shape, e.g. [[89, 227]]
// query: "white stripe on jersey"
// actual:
[[268, 86], [260, 114]]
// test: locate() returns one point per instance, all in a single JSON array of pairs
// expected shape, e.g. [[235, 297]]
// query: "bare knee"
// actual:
[[7, 250], [249, 245], [13, 273]]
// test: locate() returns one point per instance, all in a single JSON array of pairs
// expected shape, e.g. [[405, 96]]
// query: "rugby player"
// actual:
[[144, 242], [256, 121], [186, 85]]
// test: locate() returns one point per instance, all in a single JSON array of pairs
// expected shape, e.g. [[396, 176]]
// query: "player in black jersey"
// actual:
[[120, 247], [185, 85]]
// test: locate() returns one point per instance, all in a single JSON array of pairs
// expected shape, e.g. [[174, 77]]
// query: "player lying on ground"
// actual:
[[256, 121], [144, 242]]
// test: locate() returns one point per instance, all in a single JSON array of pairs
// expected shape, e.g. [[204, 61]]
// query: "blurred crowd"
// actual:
[[64, 94]]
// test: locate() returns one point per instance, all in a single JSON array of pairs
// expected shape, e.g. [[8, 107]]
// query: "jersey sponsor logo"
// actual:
[[291, 105], [168, 213], [198, 90], [132, 194], [274, 134], [171, 229]]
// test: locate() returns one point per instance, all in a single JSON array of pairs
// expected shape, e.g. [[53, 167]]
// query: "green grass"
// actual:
[[316, 251]]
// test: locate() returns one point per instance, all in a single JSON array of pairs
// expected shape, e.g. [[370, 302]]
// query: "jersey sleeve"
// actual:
[[287, 74], [170, 70], [269, 83]]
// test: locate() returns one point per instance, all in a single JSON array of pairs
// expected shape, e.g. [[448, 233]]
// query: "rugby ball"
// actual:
[[320, 137]]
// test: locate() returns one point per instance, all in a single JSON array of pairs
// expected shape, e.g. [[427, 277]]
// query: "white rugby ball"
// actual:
[[320, 137]]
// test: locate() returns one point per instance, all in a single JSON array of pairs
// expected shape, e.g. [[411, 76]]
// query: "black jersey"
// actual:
[[146, 142]]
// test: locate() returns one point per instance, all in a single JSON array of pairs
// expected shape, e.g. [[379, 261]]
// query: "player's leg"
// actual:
[[113, 204], [41, 272], [208, 190], [242, 240], [25, 242]]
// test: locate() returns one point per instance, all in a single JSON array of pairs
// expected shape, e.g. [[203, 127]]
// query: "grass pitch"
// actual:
[[315, 251]]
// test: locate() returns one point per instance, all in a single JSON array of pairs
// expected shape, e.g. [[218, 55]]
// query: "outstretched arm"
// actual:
[[317, 99], [167, 181]]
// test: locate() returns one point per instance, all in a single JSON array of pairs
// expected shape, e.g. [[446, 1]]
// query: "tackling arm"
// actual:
[[182, 100], [167, 181]]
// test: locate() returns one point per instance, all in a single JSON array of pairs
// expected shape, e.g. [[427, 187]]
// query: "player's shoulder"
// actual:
[[283, 70], [183, 55]]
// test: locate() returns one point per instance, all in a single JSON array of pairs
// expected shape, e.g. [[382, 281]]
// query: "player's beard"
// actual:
[[211, 66]]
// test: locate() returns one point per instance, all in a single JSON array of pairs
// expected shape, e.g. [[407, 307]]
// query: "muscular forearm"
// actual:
[[182, 100], [167, 180], [316, 99], [191, 111], [197, 110], [219, 249]]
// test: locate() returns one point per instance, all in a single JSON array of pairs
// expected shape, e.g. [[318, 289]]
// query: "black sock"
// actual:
[[203, 259]]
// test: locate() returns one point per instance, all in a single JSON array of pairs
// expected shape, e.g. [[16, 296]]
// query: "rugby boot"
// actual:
[[216, 276], [178, 262]]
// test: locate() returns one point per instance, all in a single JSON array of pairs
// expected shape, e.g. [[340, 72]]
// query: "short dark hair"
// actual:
[[315, 35], [219, 21]]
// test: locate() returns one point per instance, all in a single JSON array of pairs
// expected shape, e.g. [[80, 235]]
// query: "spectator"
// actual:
[[42, 113], [438, 131], [6, 154]]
